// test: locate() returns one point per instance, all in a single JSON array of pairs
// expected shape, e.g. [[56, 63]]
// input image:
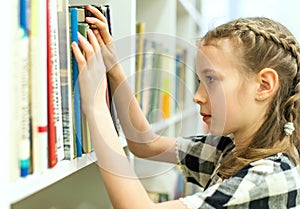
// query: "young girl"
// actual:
[[249, 89]]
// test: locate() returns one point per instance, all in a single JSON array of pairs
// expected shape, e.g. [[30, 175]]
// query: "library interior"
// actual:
[[48, 158]]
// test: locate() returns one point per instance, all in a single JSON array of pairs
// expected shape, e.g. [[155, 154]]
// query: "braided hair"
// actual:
[[264, 43]]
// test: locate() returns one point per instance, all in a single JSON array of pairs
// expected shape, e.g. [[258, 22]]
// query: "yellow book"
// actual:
[[140, 29]]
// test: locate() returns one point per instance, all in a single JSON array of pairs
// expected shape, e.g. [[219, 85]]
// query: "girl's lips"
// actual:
[[205, 117]]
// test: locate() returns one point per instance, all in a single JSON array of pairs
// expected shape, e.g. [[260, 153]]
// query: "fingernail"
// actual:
[[74, 44]]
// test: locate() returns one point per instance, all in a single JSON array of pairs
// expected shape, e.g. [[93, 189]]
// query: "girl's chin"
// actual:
[[216, 131]]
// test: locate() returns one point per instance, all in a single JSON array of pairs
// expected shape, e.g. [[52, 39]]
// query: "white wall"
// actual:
[[219, 11]]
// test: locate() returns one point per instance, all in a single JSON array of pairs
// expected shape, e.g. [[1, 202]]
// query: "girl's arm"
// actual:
[[141, 140], [124, 188]]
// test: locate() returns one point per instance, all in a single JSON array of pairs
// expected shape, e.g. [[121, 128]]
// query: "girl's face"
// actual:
[[225, 96]]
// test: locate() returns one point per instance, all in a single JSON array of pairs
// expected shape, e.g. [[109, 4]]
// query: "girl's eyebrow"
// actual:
[[211, 71], [208, 70]]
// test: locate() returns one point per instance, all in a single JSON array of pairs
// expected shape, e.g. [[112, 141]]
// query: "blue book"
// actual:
[[76, 92]]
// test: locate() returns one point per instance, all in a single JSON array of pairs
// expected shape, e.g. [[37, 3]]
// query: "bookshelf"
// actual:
[[175, 17], [173, 24]]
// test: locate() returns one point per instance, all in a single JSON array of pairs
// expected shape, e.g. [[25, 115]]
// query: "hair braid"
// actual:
[[289, 44]]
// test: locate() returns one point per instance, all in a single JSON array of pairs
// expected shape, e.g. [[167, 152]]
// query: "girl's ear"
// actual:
[[268, 84]]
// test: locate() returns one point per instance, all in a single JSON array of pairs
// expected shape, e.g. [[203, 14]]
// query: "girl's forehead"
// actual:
[[203, 61], [206, 61], [220, 59]]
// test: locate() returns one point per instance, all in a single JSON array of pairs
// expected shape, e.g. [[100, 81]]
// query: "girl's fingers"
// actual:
[[95, 40], [99, 38], [78, 56], [96, 13], [85, 46], [99, 22], [102, 28]]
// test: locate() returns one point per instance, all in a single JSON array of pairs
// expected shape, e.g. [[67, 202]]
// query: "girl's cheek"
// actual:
[[219, 108]]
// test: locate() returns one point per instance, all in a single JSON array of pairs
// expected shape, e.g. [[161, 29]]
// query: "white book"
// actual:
[[56, 80], [9, 104], [22, 76], [38, 63]]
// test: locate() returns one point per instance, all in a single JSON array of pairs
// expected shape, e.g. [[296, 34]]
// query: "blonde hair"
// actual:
[[261, 43]]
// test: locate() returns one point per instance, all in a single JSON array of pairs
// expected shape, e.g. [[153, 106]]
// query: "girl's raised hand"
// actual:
[[92, 73], [99, 26]]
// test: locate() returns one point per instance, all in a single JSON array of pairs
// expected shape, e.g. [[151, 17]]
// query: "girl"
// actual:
[[249, 89]]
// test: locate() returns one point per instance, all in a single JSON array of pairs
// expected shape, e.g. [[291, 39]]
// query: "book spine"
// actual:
[[56, 79], [65, 78], [38, 41], [166, 86], [182, 78], [76, 93], [140, 29], [153, 114], [51, 124], [105, 9], [146, 76], [24, 146], [108, 18], [86, 136]]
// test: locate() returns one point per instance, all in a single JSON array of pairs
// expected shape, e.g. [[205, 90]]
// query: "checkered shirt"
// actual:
[[272, 182]]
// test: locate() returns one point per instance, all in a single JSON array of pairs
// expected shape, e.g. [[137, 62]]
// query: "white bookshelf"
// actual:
[[31, 184], [175, 23], [125, 15], [171, 23], [14, 189], [177, 118]]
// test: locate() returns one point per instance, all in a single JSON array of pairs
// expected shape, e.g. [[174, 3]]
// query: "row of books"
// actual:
[[49, 125], [160, 78]]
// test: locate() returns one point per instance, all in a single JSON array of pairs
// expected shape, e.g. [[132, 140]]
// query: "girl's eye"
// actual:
[[210, 79]]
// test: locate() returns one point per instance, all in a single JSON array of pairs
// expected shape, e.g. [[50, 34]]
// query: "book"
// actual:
[[52, 157], [153, 114], [105, 9], [54, 43], [146, 75], [180, 72], [65, 78], [23, 130], [86, 136], [75, 85], [140, 29], [165, 102], [38, 63]]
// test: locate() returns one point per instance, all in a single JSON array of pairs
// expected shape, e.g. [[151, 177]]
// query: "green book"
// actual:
[[86, 136]]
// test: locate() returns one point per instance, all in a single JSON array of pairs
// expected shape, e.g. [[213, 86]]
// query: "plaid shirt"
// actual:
[[272, 182]]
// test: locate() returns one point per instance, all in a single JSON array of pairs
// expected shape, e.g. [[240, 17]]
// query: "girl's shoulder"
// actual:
[[271, 170], [274, 180], [279, 162]]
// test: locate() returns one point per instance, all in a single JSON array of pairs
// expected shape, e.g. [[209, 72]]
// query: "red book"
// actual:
[[52, 157]]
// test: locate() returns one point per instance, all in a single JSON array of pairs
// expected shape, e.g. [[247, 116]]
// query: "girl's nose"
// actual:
[[200, 95]]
